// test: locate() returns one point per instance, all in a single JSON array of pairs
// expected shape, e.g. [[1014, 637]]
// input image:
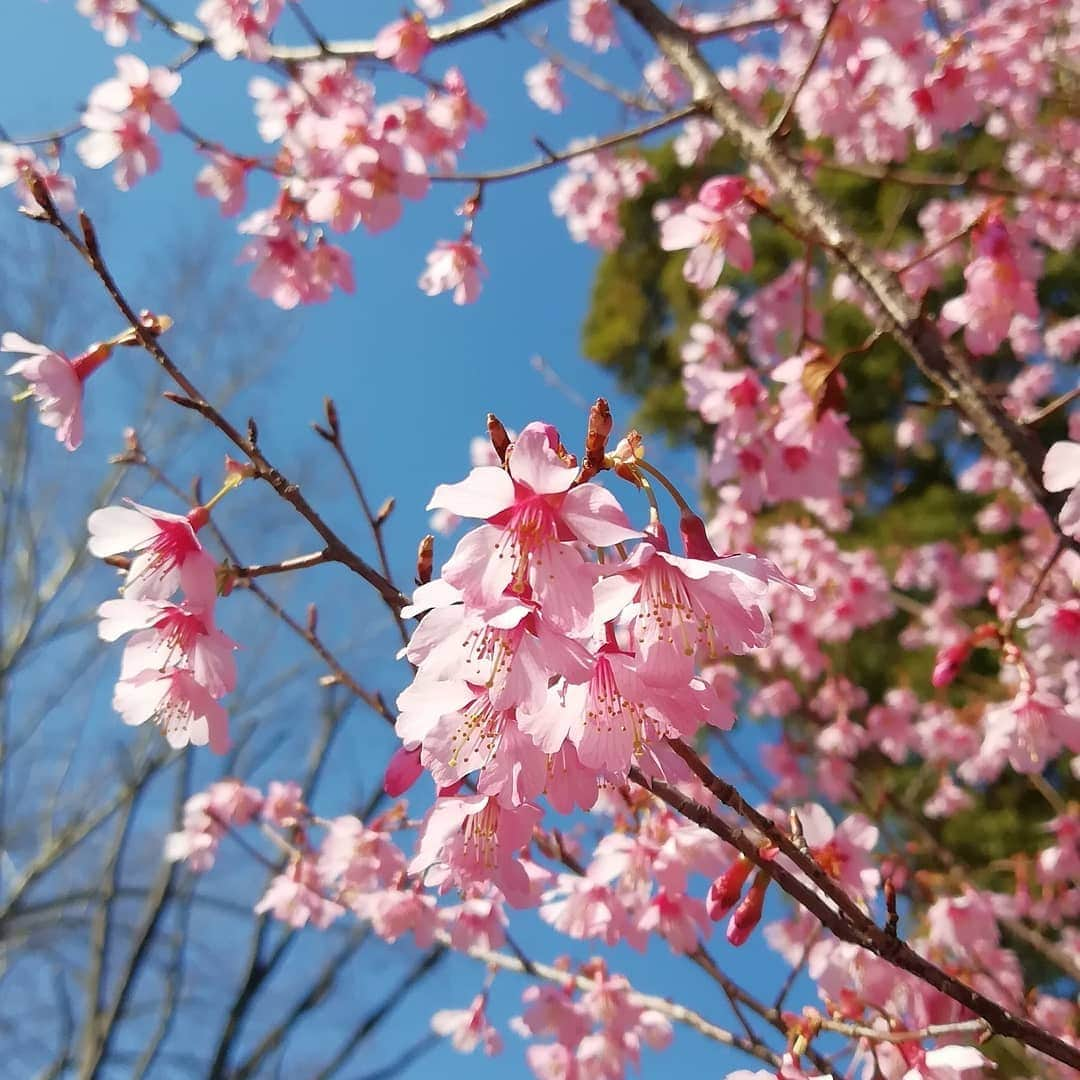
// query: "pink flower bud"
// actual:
[[948, 663], [725, 891], [695, 540], [402, 772], [748, 914]]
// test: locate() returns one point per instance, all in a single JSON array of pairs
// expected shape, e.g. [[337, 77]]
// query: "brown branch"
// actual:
[[574, 150], [445, 33], [855, 927], [670, 1009], [941, 362], [336, 549], [297, 562], [375, 519]]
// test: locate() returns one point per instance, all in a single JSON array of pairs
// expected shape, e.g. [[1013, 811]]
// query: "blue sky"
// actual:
[[413, 378]]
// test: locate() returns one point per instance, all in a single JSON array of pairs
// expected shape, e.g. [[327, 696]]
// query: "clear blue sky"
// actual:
[[413, 378]]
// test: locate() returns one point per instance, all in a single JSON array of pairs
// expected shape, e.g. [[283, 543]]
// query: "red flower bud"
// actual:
[[748, 914], [725, 891], [402, 772]]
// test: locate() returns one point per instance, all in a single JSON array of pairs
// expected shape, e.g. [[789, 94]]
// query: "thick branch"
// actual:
[[857, 928], [444, 33], [945, 365]]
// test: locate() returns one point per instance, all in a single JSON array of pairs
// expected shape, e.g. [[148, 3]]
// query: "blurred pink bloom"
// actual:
[[454, 265], [404, 43], [56, 383], [544, 84], [592, 22], [715, 228], [1061, 471], [468, 1028], [115, 19], [224, 178], [295, 897]]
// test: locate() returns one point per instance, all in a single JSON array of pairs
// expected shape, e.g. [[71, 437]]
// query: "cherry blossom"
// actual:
[[56, 383], [714, 227], [170, 554], [454, 265]]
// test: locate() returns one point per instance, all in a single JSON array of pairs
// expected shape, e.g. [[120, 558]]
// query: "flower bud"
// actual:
[[695, 540], [725, 891], [748, 914], [948, 663], [402, 772]]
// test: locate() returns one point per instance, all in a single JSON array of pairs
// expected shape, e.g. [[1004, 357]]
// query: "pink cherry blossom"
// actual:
[[115, 19], [533, 514], [207, 817], [454, 265], [56, 383], [474, 839], [167, 635], [544, 84], [224, 178], [715, 228], [138, 89], [169, 557], [180, 706], [468, 1028], [240, 27], [1061, 472], [121, 137], [296, 898], [404, 43], [999, 288], [592, 22], [16, 162]]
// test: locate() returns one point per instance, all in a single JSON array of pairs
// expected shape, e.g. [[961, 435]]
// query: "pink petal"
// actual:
[[114, 529], [534, 463], [595, 516], [482, 494], [1061, 466]]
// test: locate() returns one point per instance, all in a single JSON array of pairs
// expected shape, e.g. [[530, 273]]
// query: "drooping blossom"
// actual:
[[468, 1028], [167, 635], [181, 707], [545, 86], [454, 264], [55, 383], [169, 557], [404, 43]]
